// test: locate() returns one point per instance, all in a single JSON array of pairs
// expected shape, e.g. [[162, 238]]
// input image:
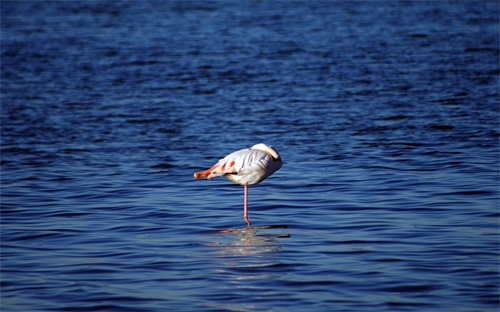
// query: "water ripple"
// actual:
[[387, 199]]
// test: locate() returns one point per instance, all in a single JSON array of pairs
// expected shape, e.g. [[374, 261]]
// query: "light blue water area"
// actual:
[[385, 114]]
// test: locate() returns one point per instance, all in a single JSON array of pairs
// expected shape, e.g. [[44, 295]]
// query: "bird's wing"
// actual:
[[250, 168], [243, 161]]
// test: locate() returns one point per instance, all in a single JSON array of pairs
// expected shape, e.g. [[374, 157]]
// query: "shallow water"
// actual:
[[385, 114]]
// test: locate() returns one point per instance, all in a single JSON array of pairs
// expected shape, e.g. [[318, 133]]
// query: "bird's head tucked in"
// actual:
[[268, 149]]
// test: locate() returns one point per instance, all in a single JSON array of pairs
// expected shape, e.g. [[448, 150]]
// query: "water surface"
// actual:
[[385, 114]]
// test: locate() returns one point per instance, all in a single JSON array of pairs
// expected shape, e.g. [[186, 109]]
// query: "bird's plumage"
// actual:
[[246, 167]]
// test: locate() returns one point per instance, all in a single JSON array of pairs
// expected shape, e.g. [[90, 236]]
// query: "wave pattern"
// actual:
[[385, 114]]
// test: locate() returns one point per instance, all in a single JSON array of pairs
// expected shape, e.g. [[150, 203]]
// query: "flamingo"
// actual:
[[245, 167]]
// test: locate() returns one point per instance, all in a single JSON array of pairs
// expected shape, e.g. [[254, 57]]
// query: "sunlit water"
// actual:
[[385, 114]]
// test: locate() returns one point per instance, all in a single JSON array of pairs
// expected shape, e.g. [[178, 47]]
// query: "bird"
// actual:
[[246, 167]]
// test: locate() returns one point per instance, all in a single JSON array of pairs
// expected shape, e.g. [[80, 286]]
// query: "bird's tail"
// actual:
[[202, 174], [209, 173]]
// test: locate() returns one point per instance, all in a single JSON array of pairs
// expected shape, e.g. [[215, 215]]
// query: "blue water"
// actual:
[[385, 114]]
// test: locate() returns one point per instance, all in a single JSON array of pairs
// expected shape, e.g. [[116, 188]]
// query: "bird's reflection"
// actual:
[[246, 260], [252, 240]]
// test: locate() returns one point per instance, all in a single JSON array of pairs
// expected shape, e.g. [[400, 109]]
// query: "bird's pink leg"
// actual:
[[245, 205]]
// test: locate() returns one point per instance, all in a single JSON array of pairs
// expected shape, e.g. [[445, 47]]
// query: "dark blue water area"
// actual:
[[385, 114]]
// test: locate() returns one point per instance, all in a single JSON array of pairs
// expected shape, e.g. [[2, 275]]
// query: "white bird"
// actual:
[[246, 167]]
